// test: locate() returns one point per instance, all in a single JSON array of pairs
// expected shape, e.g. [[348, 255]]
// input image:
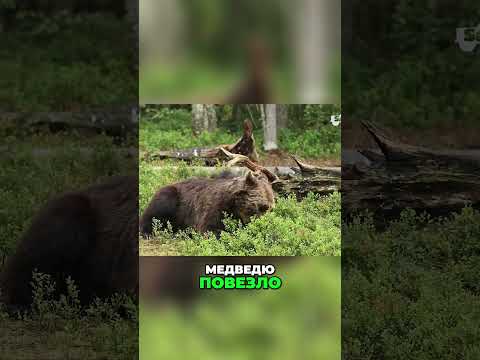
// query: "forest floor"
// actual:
[[94, 340]]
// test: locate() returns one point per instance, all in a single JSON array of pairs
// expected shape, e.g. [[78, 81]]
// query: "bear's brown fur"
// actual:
[[89, 235], [201, 203]]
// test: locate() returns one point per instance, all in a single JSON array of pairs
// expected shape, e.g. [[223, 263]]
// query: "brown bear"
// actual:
[[90, 235], [201, 203]]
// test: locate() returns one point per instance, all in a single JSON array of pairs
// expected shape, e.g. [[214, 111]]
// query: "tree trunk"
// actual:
[[312, 31], [405, 176], [261, 109], [204, 118], [282, 116], [198, 115], [270, 129], [161, 31], [211, 117]]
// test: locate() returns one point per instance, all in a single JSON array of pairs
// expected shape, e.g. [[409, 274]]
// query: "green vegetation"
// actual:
[[35, 168], [29, 178], [414, 73], [309, 133], [301, 320], [193, 80], [168, 129], [61, 62], [413, 289], [309, 227], [61, 328]]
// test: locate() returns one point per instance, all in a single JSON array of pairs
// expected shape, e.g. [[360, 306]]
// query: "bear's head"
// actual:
[[254, 197]]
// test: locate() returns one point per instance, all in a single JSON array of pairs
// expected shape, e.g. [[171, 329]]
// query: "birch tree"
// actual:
[[270, 128], [204, 118], [211, 117]]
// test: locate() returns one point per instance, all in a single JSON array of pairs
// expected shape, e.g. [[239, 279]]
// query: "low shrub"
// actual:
[[308, 227]]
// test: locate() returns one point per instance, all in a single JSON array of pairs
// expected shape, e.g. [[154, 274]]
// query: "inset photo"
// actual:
[[240, 180]]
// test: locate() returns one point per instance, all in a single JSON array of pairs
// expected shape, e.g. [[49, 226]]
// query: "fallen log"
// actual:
[[300, 186], [235, 159], [213, 155], [317, 180], [45, 154], [115, 121], [396, 151], [280, 171], [306, 169], [406, 176]]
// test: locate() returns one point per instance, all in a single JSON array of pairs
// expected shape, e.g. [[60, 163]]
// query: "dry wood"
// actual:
[[317, 181], [283, 172], [236, 159], [244, 146], [406, 176], [397, 151], [307, 169], [115, 121]]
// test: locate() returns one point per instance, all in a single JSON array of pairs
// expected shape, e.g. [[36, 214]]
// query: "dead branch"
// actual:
[[406, 176], [244, 146], [236, 159]]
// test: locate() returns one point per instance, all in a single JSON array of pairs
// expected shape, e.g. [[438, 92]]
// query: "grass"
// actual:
[[63, 62], [28, 181], [62, 329], [309, 227], [419, 91], [176, 133], [168, 129], [412, 290]]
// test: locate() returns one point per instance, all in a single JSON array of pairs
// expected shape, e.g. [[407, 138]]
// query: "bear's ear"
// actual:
[[250, 180]]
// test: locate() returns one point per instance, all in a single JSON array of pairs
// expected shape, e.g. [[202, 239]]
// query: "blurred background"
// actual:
[[68, 55], [301, 320], [208, 51]]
